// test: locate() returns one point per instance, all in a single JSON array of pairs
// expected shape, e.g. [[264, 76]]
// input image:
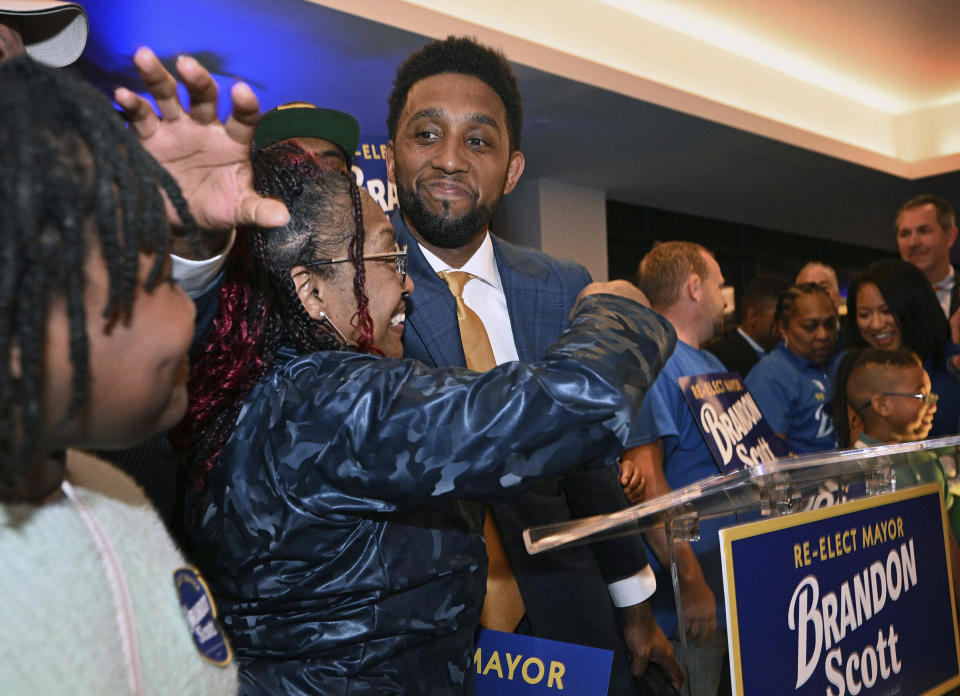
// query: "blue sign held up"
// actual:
[[730, 421], [509, 664]]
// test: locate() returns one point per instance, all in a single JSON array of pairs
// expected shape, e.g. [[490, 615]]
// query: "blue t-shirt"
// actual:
[[666, 416], [794, 396]]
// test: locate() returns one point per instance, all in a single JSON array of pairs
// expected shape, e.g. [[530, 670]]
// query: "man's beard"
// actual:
[[443, 230]]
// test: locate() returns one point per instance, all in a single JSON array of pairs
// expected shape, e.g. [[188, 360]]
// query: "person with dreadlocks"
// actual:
[[93, 354], [331, 508]]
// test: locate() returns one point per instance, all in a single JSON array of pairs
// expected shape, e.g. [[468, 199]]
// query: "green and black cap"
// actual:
[[304, 120]]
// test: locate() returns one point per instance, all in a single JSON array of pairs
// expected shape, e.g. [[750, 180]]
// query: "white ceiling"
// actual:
[[874, 82]]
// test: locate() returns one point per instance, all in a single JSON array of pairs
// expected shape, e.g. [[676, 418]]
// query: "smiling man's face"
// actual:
[[452, 159]]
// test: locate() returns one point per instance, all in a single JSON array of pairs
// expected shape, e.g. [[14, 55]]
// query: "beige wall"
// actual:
[[560, 219]]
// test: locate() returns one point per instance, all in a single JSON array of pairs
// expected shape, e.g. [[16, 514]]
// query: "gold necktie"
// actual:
[[503, 606], [476, 343]]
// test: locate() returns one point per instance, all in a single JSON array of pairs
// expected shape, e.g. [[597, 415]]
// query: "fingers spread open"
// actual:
[[201, 87], [245, 113], [138, 111], [160, 83]]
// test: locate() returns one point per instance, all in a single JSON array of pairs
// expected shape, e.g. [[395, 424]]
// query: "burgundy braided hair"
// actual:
[[259, 309], [361, 319]]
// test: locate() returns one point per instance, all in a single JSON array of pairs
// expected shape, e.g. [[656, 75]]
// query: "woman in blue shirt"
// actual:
[[791, 384]]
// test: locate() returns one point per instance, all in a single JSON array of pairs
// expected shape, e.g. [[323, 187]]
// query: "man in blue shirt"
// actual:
[[665, 450]]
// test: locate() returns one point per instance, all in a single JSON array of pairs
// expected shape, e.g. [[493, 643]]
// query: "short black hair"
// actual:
[[466, 56], [763, 290], [787, 300], [852, 366]]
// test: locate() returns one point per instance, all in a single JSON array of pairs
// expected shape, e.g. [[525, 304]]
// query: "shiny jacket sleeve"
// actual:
[[347, 433]]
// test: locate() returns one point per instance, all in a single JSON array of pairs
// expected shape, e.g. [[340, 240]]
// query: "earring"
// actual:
[[324, 319]]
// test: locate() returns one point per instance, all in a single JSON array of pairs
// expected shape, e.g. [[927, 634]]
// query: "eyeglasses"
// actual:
[[400, 255], [928, 399]]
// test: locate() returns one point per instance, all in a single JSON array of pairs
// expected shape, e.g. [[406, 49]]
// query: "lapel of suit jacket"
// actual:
[[955, 293], [524, 280], [432, 311]]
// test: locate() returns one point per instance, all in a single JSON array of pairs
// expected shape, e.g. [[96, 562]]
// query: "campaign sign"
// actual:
[[850, 599], [730, 421], [508, 664], [370, 171]]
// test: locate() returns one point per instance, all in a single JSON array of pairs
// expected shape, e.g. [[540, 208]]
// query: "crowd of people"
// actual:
[[349, 419]]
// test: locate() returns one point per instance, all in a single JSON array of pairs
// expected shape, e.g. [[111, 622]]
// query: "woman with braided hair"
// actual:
[[333, 505], [791, 384]]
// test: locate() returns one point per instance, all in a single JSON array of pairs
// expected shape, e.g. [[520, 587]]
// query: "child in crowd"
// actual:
[[887, 397], [93, 355], [883, 397]]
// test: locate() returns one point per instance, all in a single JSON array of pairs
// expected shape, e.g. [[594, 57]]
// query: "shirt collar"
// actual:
[[945, 283], [481, 265], [753, 344]]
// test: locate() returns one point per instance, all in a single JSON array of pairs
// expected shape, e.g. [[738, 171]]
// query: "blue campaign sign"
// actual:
[[850, 599], [730, 421], [508, 664], [370, 170]]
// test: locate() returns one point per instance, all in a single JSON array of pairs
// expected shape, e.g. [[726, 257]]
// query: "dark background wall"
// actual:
[[743, 251]]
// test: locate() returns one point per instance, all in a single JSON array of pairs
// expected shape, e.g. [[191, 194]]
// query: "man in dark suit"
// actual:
[[454, 150], [740, 349]]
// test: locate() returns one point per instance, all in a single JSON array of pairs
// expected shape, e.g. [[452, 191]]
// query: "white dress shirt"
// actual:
[[484, 295], [196, 277], [753, 344], [943, 288]]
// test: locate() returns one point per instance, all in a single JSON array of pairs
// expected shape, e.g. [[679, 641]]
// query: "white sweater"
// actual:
[[58, 626]]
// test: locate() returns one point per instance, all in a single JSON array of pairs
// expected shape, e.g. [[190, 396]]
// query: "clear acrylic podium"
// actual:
[[781, 487]]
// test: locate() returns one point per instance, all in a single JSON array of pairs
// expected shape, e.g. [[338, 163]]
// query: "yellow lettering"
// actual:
[[476, 659], [366, 151], [538, 663], [494, 664], [797, 555], [556, 673], [512, 664], [867, 535], [806, 553], [823, 548]]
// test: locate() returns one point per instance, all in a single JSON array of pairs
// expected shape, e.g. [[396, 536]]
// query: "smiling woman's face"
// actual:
[[877, 325], [384, 289]]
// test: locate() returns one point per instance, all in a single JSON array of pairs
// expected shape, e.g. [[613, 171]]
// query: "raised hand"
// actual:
[[209, 159]]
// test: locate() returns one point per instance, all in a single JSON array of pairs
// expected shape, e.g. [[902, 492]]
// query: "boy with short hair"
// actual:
[[883, 397], [889, 392]]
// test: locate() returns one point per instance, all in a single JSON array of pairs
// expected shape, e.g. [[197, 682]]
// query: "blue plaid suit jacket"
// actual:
[[564, 592]]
